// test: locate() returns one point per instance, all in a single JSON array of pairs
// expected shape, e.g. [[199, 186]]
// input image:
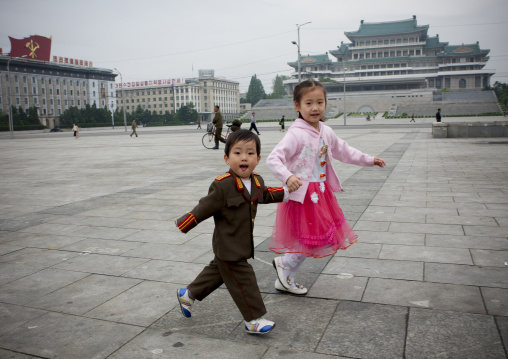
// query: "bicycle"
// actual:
[[209, 137]]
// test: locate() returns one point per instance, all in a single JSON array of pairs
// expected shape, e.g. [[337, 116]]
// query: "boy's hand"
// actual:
[[379, 162], [293, 183]]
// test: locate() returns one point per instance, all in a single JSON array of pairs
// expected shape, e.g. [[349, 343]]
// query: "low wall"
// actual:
[[469, 129]]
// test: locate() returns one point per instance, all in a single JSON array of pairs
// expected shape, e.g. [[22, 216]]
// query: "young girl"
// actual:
[[311, 224]]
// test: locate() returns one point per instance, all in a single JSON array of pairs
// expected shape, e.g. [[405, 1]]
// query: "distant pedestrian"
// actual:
[[199, 124], [235, 125], [438, 115], [281, 123], [134, 126], [412, 118], [75, 128], [253, 123]]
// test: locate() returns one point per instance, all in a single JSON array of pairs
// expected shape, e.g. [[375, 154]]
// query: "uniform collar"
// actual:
[[255, 188]]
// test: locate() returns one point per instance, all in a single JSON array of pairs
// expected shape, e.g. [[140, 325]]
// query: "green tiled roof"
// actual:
[[457, 50], [341, 51], [387, 28], [311, 60], [434, 42]]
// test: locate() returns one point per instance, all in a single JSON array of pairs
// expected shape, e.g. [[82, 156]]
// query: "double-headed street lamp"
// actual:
[[298, 46], [11, 122], [123, 101]]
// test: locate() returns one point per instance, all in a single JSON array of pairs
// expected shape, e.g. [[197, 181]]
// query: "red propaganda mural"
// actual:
[[34, 47]]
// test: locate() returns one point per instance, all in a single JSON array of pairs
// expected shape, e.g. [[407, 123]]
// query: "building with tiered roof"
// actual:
[[394, 56]]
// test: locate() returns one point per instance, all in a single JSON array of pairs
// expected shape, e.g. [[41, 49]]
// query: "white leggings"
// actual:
[[293, 261]]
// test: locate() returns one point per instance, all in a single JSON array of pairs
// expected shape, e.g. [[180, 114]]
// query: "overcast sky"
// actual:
[[160, 39]]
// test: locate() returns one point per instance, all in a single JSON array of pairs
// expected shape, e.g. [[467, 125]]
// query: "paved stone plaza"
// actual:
[[90, 259]]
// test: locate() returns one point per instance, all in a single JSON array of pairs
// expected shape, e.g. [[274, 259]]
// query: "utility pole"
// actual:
[[298, 46]]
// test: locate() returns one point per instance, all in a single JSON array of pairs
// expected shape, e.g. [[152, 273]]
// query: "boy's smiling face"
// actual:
[[243, 158]]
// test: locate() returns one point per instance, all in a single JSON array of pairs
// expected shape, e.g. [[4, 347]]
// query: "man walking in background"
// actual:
[[253, 123], [438, 115], [217, 121]]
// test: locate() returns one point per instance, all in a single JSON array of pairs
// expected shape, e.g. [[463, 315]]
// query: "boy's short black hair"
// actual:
[[242, 135]]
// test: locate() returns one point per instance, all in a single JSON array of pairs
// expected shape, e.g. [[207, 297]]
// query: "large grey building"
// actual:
[[53, 87], [396, 55], [203, 92]]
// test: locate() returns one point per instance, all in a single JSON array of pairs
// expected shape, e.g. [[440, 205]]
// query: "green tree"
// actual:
[[278, 86], [501, 90], [33, 116], [256, 91]]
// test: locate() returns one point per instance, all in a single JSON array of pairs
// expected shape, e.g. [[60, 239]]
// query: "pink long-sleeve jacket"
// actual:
[[296, 154]]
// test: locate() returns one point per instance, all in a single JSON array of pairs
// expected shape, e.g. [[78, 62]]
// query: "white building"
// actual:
[[204, 92], [53, 87]]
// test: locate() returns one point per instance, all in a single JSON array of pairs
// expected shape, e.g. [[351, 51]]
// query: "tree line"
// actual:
[[257, 92], [21, 120], [92, 116]]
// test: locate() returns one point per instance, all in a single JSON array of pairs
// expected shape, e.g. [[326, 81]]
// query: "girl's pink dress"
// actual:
[[317, 227]]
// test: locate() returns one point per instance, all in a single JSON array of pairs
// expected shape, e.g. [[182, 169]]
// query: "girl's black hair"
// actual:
[[242, 135], [304, 87]]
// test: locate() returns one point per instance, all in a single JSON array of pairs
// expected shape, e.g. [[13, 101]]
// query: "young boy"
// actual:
[[232, 201]]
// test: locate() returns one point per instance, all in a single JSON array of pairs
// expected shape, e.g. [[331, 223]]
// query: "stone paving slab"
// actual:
[[466, 275], [434, 334], [104, 255], [423, 294], [54, 335], [366, 331]]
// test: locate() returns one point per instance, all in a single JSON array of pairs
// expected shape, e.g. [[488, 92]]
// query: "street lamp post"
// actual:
[[113, 112], [298, 46], [123, 100], [344, 74]]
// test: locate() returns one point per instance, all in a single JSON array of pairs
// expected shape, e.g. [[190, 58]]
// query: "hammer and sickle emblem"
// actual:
[[30, 46]]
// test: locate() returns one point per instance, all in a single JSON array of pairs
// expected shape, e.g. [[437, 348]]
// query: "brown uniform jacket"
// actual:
[[217, 119], [233, 210]]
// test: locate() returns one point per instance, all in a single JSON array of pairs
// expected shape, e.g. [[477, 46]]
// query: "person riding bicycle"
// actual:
[[217, 121]]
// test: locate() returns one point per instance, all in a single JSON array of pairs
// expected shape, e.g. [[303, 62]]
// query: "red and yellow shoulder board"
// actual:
[[257, 174], [256, 181], [239, 184], [221, 177]]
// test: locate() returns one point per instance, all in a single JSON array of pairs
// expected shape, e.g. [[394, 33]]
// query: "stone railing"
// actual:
[[469, 129]]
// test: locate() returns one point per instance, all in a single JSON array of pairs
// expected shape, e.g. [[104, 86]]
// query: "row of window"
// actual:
[[57, 81], [409, 40]]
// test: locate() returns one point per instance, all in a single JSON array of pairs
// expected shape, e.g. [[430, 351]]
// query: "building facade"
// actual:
[[204, 92], [53, 87], [397, 55]]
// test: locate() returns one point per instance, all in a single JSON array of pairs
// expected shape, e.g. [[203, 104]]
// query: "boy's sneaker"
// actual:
[[185, 301], [297, 289], [259, 326]]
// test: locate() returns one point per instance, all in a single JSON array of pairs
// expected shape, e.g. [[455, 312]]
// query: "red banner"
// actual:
[[33, 47]]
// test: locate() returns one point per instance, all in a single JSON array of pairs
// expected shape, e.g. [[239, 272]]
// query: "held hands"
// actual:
[[379, 162], [293, 183]]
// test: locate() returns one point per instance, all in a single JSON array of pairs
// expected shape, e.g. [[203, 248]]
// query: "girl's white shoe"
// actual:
[[296, 289]]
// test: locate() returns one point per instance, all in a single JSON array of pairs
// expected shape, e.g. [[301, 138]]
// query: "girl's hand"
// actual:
[[379, 162], [293, 183]]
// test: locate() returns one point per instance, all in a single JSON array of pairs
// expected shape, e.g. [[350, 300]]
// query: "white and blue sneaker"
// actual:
[[185, 301], [259, 326]]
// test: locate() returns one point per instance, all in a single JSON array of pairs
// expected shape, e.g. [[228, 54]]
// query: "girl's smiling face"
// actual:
[[312, 106], [243, 158]]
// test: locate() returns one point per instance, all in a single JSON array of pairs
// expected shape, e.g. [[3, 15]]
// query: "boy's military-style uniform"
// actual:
[[234, 211]]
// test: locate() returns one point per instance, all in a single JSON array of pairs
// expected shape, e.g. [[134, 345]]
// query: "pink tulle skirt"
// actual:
[[317, 227]]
